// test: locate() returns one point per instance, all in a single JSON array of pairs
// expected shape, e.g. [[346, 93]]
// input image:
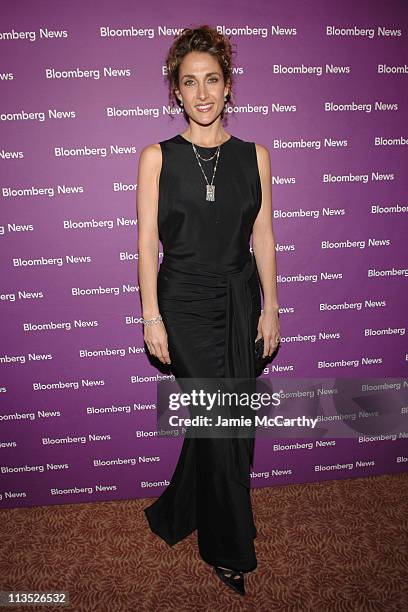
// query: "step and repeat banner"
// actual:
[[324, 87]]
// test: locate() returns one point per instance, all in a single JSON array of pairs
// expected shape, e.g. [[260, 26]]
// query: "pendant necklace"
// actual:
[[210, 193]]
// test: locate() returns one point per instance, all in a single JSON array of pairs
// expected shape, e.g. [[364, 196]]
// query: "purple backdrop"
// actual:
[[323, 86]]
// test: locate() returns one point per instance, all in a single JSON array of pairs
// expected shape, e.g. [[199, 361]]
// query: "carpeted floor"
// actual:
[[330, 547]]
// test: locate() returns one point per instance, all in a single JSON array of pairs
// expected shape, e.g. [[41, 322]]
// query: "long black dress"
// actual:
[[209, 297]]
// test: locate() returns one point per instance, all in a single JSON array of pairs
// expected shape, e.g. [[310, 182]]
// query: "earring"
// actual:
[[181, 103]]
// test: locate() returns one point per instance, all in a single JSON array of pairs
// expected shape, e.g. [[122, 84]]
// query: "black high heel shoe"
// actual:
[[229, 578]]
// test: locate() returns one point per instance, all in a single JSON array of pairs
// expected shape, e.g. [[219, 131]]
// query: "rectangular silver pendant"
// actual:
[[210, 193]]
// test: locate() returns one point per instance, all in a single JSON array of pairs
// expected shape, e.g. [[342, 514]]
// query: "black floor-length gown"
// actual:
[[209, 297]]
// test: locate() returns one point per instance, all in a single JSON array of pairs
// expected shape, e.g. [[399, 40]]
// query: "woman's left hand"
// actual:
[[269, 330]]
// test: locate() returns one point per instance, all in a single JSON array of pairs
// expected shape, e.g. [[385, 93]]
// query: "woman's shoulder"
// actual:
[[262, 154], [262, 149], [150, 158], [150, 150], [157, 148]]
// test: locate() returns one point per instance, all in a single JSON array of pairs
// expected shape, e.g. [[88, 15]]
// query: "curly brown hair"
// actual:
[[204, 39]]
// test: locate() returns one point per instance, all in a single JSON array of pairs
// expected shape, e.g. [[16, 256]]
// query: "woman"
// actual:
[[202, 193]]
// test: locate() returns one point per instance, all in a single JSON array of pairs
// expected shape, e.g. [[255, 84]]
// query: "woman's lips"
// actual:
[[204, 108]]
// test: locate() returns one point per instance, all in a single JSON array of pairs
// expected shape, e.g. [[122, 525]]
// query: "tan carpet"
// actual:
[[336, 546]]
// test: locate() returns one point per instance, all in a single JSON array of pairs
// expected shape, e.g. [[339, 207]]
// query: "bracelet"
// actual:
[[152, 321]]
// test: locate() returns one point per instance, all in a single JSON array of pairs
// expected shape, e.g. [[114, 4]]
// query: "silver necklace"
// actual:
[[210, 193], [205, 158]]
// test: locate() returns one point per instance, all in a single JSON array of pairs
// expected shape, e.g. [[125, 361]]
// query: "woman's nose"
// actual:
[[202, 92]]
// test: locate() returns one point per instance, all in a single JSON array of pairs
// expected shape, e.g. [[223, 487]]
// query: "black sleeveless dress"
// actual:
[[209, 297]]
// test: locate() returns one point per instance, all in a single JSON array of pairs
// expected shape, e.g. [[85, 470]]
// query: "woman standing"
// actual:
[[203, 193]]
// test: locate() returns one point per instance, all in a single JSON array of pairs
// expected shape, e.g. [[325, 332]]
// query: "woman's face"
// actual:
[[201, 87]]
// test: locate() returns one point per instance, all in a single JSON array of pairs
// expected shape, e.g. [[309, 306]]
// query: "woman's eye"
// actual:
[[213, 79]]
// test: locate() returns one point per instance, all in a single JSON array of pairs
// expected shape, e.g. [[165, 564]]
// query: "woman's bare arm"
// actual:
[[263, 239], [263, 244], [150, 161]]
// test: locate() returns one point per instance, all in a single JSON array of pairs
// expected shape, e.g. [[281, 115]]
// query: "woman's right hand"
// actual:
[[155, 337]]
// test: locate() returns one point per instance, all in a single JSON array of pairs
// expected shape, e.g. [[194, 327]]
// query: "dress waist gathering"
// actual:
[[239, 357]]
